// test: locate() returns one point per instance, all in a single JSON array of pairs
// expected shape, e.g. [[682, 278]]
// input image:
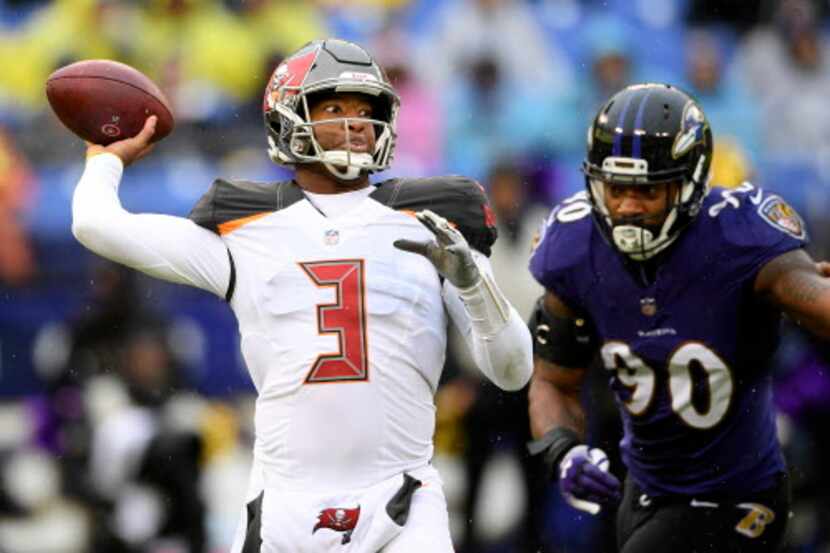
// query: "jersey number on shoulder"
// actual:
[[572, 209], [732, 198], [345, 318], [693, 369]]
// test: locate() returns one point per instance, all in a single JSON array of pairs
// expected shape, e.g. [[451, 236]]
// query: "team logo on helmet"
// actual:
[[691, 132], [288, 78], [339, 520]]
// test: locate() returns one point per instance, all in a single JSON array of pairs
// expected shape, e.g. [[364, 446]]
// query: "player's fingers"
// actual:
[[432, 216], [427, 219], [586, 487], [435, 222], [442, 231], [145, 135], [598, 480], [413, 246], [603, 477], [823, 268], [596, 495], [148, 130]]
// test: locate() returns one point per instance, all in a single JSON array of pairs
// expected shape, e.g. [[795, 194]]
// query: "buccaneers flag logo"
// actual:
[[339, 520], [288, 78]]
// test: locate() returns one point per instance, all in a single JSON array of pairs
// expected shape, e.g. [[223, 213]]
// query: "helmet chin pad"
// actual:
[[641, 242], [346, 165], [632, 240]]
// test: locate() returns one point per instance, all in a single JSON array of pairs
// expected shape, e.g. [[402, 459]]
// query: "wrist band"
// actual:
[[553, 446]]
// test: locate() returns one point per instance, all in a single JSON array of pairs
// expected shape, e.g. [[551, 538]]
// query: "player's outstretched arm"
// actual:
[[557, 418], [800, 287], [166, 247], [495, 333]]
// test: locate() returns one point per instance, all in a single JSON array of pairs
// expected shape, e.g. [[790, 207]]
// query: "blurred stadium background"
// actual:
[[125, 409]]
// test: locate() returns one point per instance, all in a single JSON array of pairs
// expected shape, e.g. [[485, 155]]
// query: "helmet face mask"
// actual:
[[643, 235], [648, 135], [325, 68]]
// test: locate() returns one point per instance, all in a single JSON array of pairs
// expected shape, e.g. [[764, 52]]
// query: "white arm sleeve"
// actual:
[[163, 246], [498, 338]]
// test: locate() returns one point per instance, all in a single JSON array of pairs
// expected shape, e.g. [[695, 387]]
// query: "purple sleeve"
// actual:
[[558, 258], [760, 228]]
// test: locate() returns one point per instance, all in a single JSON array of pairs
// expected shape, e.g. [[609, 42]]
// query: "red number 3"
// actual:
[[345, 318]]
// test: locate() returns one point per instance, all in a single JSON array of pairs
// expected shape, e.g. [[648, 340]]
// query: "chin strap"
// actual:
[[488, 308]]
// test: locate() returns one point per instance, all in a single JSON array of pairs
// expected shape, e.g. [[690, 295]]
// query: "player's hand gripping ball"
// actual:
[[105, 101]]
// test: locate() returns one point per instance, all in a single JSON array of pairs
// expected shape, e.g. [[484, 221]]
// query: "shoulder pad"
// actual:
[[751, 217], [228, 201], [564, 244], [749, 227], [460, 200]]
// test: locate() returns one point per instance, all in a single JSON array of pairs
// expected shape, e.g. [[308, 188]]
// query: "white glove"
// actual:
[[449, 252]]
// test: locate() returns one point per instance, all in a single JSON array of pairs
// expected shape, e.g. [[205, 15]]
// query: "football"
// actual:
[[104, 101]]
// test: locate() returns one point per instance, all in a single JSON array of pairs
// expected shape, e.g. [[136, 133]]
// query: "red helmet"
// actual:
[[328, 66]]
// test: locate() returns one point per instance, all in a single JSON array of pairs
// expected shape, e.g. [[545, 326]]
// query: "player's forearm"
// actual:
[[815, 314], [506, 357], [805, 296], [95, 203], [498, 338], [794, 283], [554, 407]]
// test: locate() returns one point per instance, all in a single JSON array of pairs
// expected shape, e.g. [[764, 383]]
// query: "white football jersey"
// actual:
[[344, 335]]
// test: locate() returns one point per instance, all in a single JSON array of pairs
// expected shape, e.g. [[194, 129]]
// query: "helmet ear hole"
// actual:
[[300, 145]]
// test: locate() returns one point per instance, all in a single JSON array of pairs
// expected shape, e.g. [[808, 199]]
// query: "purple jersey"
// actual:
[[688, 355]]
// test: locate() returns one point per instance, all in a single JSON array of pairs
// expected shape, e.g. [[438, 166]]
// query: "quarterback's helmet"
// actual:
[[327, 66], [649, 134]]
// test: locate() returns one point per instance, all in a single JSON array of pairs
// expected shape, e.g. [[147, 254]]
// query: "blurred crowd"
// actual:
[[124, 406]]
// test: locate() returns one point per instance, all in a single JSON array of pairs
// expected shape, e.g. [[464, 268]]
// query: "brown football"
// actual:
[[104, 101]]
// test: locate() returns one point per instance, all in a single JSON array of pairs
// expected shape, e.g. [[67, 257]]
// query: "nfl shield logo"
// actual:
[[331, 237], [648, 307]]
